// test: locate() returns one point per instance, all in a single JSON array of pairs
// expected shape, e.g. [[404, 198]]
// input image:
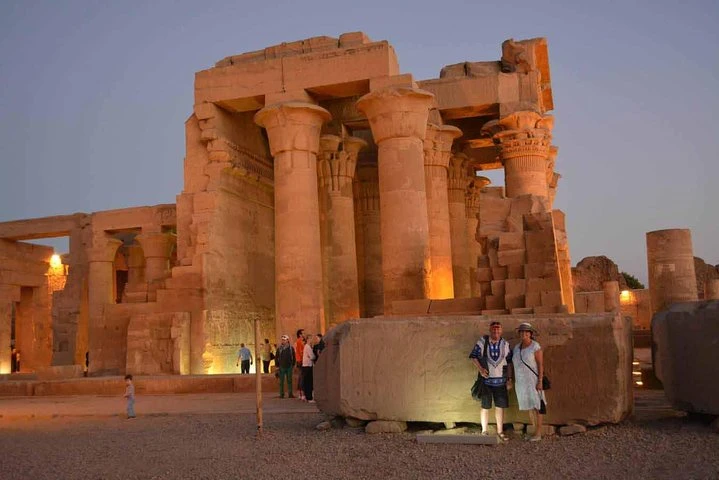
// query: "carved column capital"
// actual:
[[458, 178], [523, 140], [472, 197], [292, 126], [438, 144], [521, 134], [395, 112], [156, 245], [336, 168], [103, 250]]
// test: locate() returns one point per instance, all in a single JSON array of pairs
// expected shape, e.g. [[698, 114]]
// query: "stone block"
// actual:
[[533, 299], [484, 274], [522, 311], [538, 221], [485, 288], [513, 301], [552, 298], [515, 271], [540, 270], [365, 373], [499, 273], [515, 287], [512, 257], [573, 429], [494, 302], [559, 220], [385, 426], [498, 311], [498, 287], [511, 241], [546, 309], [410, 307], [456, 305], [685, 355]]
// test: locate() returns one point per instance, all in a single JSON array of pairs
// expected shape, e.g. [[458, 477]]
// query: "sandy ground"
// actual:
[[656, 443]]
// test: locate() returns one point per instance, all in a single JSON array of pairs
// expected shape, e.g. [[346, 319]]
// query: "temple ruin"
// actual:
[[320, 184]]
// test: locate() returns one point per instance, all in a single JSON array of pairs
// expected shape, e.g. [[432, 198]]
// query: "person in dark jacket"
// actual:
[[285, 361]]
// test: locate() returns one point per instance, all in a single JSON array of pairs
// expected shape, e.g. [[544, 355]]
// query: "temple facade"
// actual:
[[320, 184]]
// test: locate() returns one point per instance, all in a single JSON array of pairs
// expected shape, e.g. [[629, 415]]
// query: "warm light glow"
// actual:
[[639, 383], [636, 373], [55, 261]]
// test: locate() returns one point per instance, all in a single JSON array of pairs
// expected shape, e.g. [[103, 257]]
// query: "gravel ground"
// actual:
[[225, 446]]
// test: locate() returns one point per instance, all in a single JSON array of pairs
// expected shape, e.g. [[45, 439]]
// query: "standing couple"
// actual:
[[498, 364]]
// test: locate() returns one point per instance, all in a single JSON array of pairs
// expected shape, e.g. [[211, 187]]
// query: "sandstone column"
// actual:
[[459, 180], [293, 129], [398, 118], [136, 289], [157, 248], [101, 291], [368, 186], [437, 150], [670, 259], [472, 212], [711, 289], [336, 170], [524, 139]]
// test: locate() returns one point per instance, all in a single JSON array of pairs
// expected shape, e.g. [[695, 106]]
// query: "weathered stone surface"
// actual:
[[326, 425], [685, 338], [572, 429], [591, 272], [365, 373], [384, 426], [355, 422], [704, 273]]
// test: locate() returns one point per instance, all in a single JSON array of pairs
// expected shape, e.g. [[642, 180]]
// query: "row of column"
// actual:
[[421, 189]]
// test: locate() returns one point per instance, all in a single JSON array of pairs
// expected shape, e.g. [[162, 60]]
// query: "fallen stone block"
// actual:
[[384, 426], [685, 355], [572, 429], [364, 371], [355, 422]]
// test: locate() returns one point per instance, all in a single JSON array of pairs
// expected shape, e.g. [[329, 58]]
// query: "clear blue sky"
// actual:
[[94, 96]]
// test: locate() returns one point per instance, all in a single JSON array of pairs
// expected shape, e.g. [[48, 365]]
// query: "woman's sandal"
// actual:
[[503, 436]]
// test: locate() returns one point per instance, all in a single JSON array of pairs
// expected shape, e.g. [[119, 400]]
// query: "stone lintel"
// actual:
[[333, 68], [44, 227]]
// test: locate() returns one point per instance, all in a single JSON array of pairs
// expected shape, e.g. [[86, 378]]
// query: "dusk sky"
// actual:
[[94, 96]]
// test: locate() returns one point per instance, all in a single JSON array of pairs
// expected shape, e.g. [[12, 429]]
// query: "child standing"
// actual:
[[130, 396]]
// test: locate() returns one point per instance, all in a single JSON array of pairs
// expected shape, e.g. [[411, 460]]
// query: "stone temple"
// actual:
[[321, 184]]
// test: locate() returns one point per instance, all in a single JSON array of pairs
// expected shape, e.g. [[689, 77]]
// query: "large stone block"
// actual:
[[686, 341], [365, 372]]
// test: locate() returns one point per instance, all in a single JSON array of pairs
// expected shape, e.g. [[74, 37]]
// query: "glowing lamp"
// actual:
[[55, 261]]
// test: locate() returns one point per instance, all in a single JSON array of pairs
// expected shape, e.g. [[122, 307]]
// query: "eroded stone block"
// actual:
[[364, 371]]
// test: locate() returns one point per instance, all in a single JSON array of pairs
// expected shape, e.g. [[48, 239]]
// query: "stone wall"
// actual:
[[417, 368], [24, 288]]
